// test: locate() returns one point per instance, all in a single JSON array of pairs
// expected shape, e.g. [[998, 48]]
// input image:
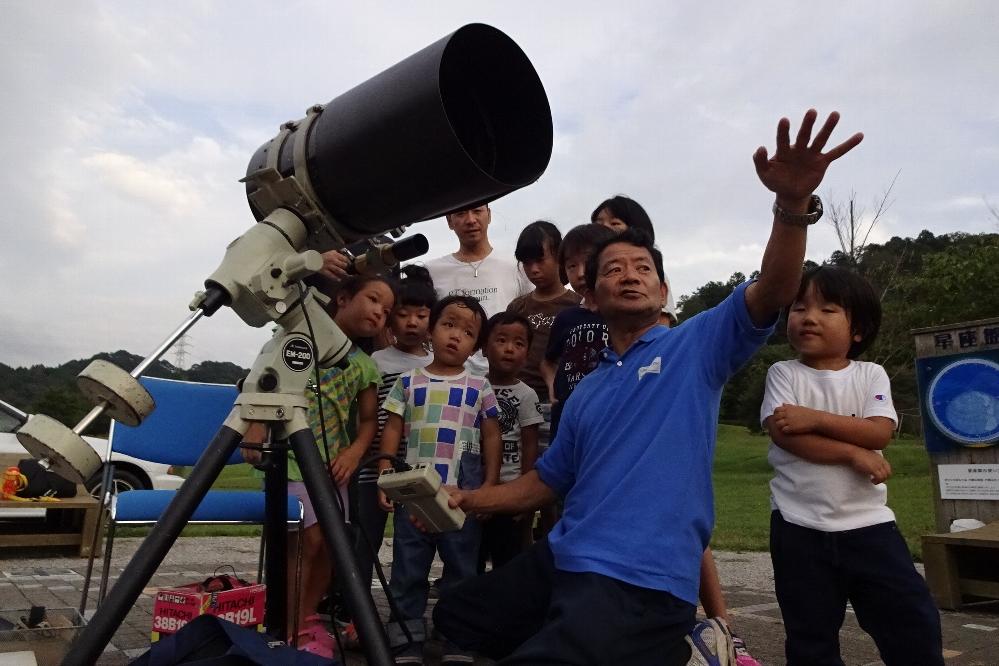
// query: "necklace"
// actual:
[[474, 266]]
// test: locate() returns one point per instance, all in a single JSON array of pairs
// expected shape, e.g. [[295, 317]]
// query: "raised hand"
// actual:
[[796, 170]]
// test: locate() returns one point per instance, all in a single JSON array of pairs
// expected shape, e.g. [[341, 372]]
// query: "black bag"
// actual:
[[209, 641], [42, 482]]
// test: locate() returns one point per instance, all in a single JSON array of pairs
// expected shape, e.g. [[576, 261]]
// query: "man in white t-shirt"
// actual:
[[475, 270]]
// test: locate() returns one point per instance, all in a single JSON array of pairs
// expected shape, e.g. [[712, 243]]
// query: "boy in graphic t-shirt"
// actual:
[[578, 334], [508, 338]]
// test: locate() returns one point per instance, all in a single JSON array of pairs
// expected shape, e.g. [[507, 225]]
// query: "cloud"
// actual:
[[127, 127], [152, 186]]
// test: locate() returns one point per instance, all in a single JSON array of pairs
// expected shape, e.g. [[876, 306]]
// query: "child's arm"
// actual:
[[389, 446], [710, 593], [871, 433], [828, 451], [346, 461], [492, 450], [257, 433], [528, 447], [547, 370]]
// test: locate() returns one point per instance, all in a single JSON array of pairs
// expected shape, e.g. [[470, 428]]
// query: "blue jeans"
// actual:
[[412, 554], [816, 573]]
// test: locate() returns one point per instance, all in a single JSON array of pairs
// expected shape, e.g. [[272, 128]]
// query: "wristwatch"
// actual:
[[805, 219]]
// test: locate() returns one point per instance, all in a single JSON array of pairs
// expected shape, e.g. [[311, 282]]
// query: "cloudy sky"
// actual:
[[126, 126]]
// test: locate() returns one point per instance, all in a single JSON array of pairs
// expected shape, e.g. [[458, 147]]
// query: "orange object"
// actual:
[[13, 482]]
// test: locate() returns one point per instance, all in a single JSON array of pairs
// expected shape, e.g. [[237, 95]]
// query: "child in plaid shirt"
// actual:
[[448, 418]]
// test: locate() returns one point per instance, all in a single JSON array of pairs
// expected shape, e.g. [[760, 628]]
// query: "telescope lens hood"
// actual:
[[460, 123]]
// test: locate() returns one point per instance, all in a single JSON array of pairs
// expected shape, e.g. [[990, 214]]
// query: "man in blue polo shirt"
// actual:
[[616, 580]]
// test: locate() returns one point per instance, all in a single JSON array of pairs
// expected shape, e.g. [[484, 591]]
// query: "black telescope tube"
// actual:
[[458, 124]]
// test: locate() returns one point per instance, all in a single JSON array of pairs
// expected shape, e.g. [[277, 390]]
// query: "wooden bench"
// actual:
[[72, 521], [962, 564]]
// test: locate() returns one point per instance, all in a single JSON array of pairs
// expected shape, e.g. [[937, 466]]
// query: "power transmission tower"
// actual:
[[180, 351]]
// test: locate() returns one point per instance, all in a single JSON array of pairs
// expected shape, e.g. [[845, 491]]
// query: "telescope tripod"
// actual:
[[154, 548], [279, 376]]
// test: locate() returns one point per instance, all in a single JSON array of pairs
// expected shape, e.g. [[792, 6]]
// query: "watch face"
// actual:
[[815, 208]]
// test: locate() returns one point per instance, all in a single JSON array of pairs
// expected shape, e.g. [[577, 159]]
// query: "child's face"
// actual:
[[575, 270], [543, 272], [454, 335], [506, 348], [819, 330], [363, 315], [410, 324], [605, 218]]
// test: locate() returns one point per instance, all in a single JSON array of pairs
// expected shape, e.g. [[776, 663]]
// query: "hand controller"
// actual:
[[422, 491]]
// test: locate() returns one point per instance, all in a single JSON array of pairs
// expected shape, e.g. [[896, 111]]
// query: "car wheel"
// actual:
[[124, 480]]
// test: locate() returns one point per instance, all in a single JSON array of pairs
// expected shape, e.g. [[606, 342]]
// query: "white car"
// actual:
[[129, 473]]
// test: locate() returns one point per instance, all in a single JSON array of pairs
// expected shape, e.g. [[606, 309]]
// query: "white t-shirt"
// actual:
[[518, 408], [391, 362], [494, 281], [829, 498]]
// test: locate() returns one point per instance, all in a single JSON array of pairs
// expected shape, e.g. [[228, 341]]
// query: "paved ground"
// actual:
[[33, 577]]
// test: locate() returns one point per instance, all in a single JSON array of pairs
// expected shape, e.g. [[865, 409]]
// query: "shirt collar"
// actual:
[[649, 336]]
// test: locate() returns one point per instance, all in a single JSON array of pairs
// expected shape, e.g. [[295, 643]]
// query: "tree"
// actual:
[[707, 296], [852, 228], [992, 208]]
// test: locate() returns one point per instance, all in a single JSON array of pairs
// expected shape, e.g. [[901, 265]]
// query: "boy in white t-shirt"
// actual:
[[508, 338], [833, 538]]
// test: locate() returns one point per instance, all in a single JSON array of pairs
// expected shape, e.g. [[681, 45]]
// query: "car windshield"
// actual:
[[10, 420]]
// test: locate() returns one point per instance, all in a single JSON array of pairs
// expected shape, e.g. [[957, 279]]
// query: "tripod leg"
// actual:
[[331, 521], [95, 636], [276, 536]]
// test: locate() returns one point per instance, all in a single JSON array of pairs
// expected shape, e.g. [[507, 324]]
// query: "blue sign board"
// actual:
[[960, 397]]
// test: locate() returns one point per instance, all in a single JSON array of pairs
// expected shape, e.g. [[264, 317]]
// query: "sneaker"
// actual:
[[742, 656], [711, 644], [452, 655], [410, 655]]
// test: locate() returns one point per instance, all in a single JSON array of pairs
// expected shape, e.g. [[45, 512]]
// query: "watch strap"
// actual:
[[802, 219]]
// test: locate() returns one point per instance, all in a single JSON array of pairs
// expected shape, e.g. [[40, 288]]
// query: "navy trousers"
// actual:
[[529, 612], [816, 573]]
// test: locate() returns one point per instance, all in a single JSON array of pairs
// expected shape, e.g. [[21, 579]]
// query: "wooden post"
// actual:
[[957, 368], [937, 349]]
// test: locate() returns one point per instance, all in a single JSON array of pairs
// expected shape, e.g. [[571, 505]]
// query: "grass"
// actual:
[[742, 493]]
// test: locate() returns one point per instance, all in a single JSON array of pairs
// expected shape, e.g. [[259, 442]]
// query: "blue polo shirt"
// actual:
[[634, 450]]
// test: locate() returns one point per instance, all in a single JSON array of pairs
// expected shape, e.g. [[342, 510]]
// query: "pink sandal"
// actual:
[[314, 638]]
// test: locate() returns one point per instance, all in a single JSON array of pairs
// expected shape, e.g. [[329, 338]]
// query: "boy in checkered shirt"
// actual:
[[447, 417]]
